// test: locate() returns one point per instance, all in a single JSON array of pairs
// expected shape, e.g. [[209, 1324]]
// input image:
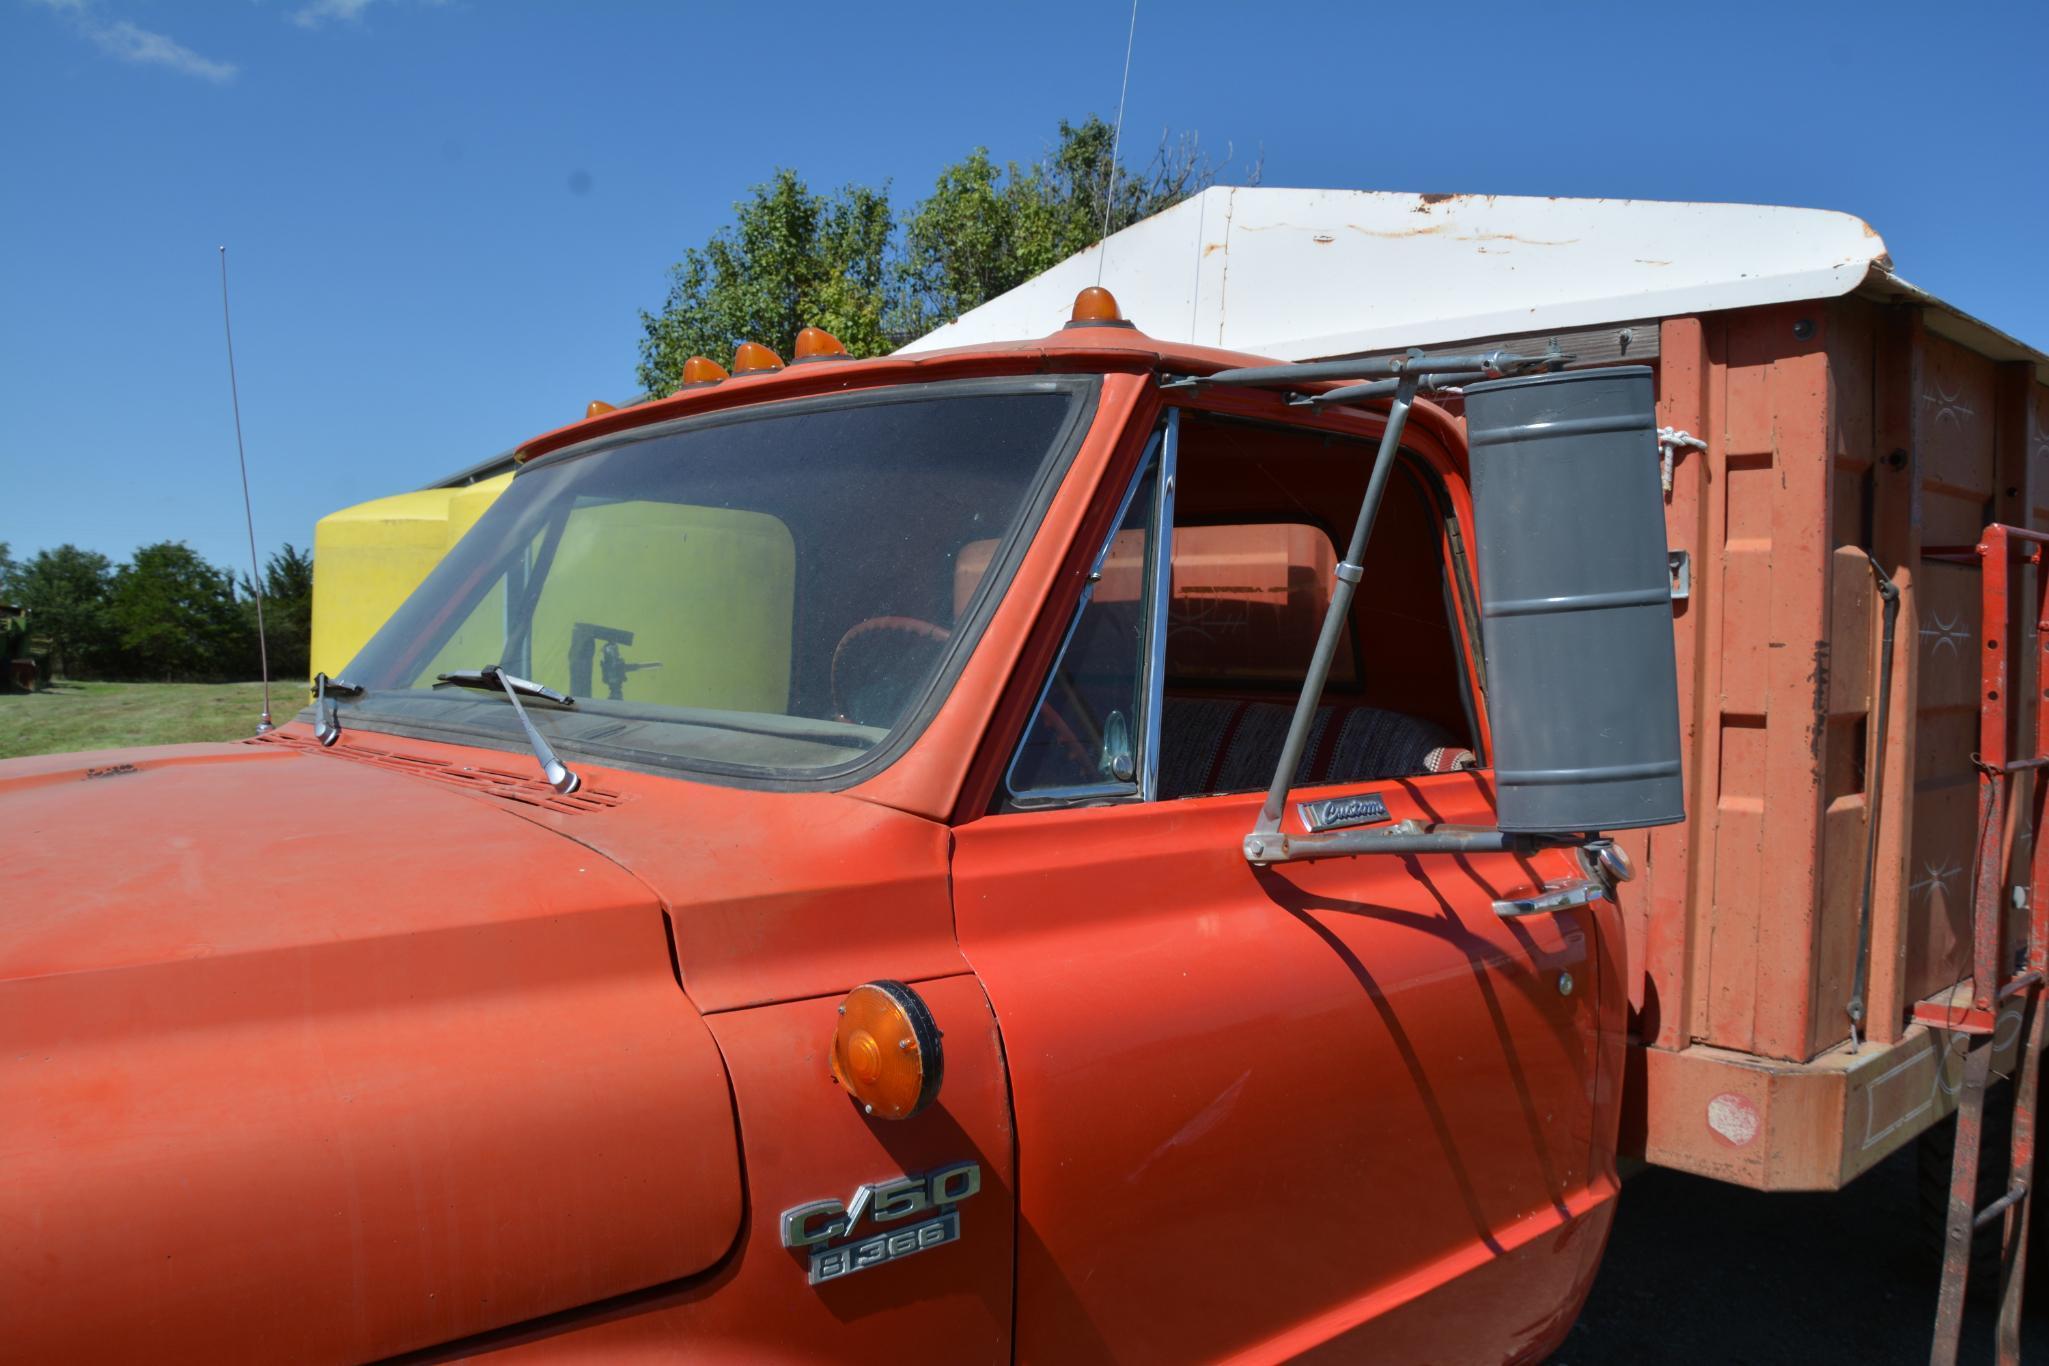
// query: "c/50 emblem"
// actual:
[[816, 1225]]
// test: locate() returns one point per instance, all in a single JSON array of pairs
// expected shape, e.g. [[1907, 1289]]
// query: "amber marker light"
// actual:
[[1096, 307], [815, 343], [885, 1050], [752, 358], [702, 370], [597, 407]]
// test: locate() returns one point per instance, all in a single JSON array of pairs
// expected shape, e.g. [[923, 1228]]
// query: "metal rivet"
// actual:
[[1804, 328], [867, 1109], [843, 1010], [1565, 984], [903, 1045]]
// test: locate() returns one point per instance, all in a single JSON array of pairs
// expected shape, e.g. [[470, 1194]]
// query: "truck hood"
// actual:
[[308, 1059]]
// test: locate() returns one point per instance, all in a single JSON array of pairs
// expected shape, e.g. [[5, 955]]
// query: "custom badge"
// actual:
[[1333, 813], [817, 1227]]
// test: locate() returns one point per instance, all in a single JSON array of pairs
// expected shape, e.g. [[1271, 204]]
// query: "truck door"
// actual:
[[1341, 1104]]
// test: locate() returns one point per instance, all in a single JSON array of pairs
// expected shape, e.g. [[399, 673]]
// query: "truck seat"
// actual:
[[1229, 745]]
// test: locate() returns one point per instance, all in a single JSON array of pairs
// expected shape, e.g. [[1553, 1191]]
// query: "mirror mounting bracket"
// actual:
[[1266, 847]]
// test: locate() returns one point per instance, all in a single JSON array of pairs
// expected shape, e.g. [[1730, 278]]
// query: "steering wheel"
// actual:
[[910, 626], [1064, 735]]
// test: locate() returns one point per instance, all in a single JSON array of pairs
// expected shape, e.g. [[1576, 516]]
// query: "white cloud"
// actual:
[[320, 11], [128, 42], [123, 40]]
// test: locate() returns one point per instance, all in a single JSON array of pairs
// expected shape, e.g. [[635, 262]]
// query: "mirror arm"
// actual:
[[1347, 583], [1409, 837]]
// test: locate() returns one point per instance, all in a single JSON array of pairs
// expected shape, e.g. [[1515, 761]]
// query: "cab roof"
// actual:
[[1076, 348], [1311, 274]]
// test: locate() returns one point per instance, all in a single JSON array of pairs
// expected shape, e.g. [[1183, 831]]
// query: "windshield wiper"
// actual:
[[326, 716], [494, 679]]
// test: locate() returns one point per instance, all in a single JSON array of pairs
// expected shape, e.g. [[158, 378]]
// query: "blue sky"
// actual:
[[443, 218]]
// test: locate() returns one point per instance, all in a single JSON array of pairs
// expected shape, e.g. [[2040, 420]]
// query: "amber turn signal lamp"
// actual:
[[885, 1050], [1096, 307], [703, 370], [753, 358], [597, 407], [815, 343]]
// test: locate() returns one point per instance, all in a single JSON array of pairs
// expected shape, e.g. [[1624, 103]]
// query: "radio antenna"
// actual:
[[1116, 141], [248, 512]]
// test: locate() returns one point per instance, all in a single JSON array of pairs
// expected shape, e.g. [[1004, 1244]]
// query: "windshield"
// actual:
[[779, 592]]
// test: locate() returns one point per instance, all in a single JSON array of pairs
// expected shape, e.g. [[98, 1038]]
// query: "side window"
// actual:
[[1187, 687], [1254, 560], [1084, 736]]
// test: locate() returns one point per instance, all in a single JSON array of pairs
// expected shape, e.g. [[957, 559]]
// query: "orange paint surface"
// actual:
[[327, 1055]]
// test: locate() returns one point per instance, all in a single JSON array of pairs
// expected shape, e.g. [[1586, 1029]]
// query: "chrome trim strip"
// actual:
[[1160, 572]]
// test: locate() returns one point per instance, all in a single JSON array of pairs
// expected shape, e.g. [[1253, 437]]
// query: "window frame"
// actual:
[[1459, 594], [1161, 450]]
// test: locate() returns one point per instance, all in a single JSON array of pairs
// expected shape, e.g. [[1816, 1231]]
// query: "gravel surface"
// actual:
[[1698, 1271]]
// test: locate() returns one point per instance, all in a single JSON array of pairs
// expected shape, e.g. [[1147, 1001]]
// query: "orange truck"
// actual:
[[1098, 848]]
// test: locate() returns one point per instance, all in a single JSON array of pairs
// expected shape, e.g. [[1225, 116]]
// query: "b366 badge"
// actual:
[[817, 1226]]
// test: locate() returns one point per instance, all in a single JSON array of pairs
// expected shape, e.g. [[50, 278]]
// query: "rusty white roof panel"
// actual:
[[1306, 274]]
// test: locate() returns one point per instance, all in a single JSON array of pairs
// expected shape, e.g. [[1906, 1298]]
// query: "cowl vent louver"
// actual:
[[491, 782]]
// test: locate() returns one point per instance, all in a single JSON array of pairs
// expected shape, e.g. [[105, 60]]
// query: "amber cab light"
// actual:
[[703, 370], [1096, 307], [885, 1050], [815, 343], [597, 407], [753, 358]]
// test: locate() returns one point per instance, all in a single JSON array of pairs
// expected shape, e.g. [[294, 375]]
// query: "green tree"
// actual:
[[8, 569], [287, 612], [793, 258], [176, 616], [66, 591], [984, 229], [790, 259]]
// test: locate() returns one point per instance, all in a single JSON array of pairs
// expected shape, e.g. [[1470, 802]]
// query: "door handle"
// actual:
[[1552, 896]]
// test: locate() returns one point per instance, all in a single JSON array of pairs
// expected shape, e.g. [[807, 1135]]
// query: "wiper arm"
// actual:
[[494, 679], [326, 716]]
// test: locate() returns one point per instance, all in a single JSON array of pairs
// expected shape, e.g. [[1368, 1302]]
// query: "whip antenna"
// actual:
[[248, 513], [1116, 140]]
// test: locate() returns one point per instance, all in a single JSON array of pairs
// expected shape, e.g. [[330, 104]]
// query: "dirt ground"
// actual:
[[1698, 1271]]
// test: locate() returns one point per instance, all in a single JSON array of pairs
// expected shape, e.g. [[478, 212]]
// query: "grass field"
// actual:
[[71, 716]]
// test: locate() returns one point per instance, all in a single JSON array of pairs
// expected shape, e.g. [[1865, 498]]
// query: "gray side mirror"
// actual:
[[1575, 601]]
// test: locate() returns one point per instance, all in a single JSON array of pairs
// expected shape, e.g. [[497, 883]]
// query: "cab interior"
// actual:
[[1260, 516]]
